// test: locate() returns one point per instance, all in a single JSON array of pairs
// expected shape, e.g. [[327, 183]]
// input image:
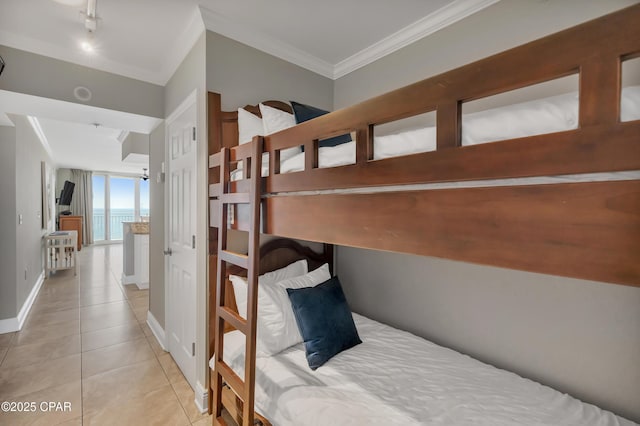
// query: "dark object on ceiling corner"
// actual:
[[1, 65]]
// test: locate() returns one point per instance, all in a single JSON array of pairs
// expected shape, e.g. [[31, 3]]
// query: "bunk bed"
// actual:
[[521, 203]]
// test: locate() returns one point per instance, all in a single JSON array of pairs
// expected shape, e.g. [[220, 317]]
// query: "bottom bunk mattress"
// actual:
[[396, 378]]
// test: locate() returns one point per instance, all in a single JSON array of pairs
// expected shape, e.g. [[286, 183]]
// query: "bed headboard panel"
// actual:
[[281, 252]]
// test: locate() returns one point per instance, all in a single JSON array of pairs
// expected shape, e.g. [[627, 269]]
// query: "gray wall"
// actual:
[[8, 221], [189, 77], [244, 75], [51, 78], [578, 336], [156, 234], [27, 244], [135, 143], [502, 26]]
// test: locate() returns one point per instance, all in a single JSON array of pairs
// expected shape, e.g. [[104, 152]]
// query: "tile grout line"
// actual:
[[156, 355], [8, 347]]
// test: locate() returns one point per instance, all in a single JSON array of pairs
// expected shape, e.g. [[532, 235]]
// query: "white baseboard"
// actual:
[[142, 286], [15, 324], [157, 331], [202, 398], [128, 279]]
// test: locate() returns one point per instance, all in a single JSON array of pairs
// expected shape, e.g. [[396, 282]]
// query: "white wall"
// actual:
[[579, 336]]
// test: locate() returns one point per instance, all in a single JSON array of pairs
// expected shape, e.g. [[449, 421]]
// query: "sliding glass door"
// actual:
[[99, 208], [117, 199]]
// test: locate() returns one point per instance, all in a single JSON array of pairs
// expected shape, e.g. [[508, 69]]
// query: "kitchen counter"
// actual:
[[135, 242]]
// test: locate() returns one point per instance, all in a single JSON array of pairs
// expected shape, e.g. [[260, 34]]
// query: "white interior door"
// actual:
[[181, 268]]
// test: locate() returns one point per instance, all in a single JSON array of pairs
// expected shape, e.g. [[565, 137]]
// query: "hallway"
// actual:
[[86, 342]]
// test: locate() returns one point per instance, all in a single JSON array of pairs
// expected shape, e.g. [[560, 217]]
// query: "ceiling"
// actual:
[[147, 40], [82, 146], [71, 143]]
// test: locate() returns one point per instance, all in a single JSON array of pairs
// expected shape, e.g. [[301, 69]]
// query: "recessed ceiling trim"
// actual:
[[35, 124], [431, 23], [250, 36], [122, 136]]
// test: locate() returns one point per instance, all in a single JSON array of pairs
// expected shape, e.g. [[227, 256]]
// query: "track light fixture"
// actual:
[[91, 25], [90, 16]]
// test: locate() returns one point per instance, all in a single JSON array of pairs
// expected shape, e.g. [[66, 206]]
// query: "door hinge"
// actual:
[[193, 349], [193, 241], [194, 133]]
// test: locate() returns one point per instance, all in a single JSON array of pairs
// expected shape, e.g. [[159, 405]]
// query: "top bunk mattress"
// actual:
[[396, 378]]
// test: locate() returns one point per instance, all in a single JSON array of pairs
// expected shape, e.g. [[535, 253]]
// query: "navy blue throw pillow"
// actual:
[[305, 112], [324, 320]]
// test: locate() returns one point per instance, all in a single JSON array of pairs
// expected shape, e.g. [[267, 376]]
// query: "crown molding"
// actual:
[[431, 23], [182, 46], [235, 30], [206, 19]]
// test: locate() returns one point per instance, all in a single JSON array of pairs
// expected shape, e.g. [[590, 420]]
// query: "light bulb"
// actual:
[[87, 46]]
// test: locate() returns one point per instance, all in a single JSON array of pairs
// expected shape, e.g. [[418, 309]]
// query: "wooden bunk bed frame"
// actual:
[[585, 230]]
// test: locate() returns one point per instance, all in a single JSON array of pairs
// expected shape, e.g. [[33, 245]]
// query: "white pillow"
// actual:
[[275, 120], [277, 327], [249, 125], [240, 283]]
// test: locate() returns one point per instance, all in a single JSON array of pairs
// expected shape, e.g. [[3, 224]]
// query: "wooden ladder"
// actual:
[[244, 389]]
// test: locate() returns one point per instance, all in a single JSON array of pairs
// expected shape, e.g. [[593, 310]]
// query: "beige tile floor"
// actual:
[[86, 342]]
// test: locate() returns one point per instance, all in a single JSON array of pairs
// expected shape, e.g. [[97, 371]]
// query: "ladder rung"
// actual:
[[214, 160], [230, 377], [233, 318], [240, 260], [215, 189], [235, 198]]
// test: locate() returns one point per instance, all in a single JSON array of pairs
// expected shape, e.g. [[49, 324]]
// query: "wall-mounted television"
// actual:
[[66, 194]]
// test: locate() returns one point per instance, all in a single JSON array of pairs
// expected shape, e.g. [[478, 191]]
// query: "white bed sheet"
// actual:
[[396, 378]]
